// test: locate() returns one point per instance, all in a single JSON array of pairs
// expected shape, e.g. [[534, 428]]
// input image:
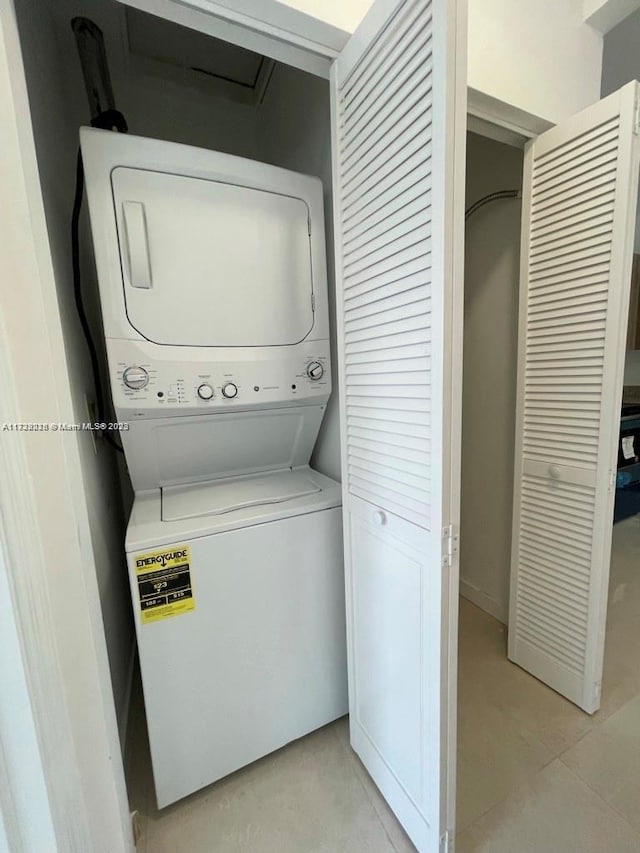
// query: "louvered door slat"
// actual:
[[396, 143], [576, 214], [384, 122], [416, 364], [376, 240], [413, 169], [402, 460], [577, 228], [401, 314], [579, 201], [381, 250], [571, 243], [410, 274], [408, 67], [561, 202], [369, 74], [393, 343], [395, 430], [370, 232], [408, 308], [580, 169], [390, 150], [382, 304], [390, 204], [582, 146], [569, 290]]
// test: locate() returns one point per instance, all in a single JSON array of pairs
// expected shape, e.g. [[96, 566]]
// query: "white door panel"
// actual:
[[398, 116], [387, 585], [579, 209]]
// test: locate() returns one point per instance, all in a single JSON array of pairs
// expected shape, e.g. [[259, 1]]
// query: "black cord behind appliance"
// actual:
[[93, 59]]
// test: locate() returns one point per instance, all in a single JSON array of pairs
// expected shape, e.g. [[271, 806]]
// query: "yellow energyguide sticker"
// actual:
[[164, 583]]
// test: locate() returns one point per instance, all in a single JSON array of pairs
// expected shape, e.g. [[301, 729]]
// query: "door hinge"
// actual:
[[313, 303], [135, 827], [597, 689], [450, 544], [636, 118], [447, 842], [613, 475]]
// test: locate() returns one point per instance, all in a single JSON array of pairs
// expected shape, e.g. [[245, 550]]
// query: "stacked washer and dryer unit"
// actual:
[[213, 288]]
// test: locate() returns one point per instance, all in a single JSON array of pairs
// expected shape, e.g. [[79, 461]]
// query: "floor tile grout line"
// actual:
[[508, 796], [609, 805], [353, 757], [598, 725], [372, 804]]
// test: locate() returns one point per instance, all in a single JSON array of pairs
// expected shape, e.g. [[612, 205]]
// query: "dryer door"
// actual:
[[206, 263]]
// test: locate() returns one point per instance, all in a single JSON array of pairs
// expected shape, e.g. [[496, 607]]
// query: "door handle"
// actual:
[[554, 472], [379, 518], [135, 227]]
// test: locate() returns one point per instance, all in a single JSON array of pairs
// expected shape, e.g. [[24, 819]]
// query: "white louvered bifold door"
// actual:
[[398, 112], [580, 190]]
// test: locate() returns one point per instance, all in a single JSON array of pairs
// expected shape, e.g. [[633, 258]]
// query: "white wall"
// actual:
[[489, 382], [621, 56], [55, 130], [604, 15], [44, 507], [536, 55], [345, 14], [25, 792], [620, 64], [294, 132], [632, 368]]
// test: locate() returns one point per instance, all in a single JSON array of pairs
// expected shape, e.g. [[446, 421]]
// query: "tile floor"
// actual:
[[535, 774]]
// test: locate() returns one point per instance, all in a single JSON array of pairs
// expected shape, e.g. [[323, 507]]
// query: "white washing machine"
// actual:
[[212, 278]]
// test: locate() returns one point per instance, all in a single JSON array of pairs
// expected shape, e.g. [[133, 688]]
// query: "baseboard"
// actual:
[[485, 602], [125, 707]]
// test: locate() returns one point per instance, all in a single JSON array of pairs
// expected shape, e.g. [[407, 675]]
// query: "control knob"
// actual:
[[315, 370], [205, 391], [135, 378], [230, 390]]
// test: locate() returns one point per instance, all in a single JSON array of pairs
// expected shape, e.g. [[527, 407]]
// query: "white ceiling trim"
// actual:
[[604, 15], [264, 26]]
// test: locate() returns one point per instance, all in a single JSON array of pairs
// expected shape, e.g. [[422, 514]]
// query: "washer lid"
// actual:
[[222, 496], [207, 263]]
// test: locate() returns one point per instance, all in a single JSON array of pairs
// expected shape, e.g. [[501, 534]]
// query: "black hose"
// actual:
[[77, 292], [489, 198]]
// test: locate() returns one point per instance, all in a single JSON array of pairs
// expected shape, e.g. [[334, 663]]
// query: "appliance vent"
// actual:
[[192, 58]]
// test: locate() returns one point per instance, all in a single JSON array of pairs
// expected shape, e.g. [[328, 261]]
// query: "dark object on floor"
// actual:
[[627, 502]]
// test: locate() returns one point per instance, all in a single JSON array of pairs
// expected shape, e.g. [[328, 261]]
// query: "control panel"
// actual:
[[146, 387]]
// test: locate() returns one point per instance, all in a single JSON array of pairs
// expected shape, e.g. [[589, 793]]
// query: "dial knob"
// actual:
[[135, 378], [315, 370], [229, 390], [205, 391]]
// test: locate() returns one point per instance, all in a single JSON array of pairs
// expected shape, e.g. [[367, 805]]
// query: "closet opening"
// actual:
[[511, 726], [181, 86]]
